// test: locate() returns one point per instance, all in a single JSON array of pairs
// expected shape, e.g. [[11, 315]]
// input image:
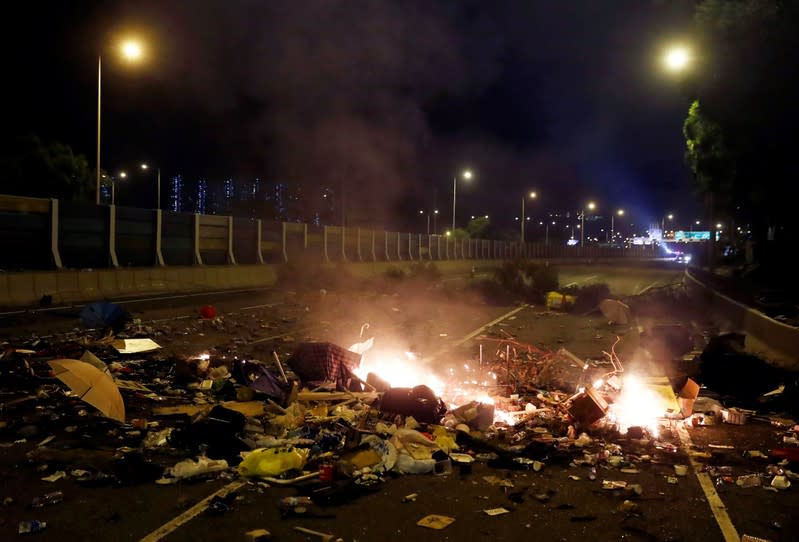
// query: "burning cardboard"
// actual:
[[587, 408], [687, 397]]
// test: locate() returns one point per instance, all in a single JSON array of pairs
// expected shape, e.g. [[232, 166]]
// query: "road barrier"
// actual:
[[77, 251], [774, 341]]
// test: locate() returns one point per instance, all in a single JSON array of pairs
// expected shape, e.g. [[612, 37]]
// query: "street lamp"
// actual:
[[122, 175], [435, 221], [467, 174], [132, 51], [591, 206], [428, 220], [663, 223], [532, 195], [546, 230], [620, 212], [677, 58], [145, 167]]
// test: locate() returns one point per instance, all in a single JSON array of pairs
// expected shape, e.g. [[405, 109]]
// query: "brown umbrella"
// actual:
[[91, 386]]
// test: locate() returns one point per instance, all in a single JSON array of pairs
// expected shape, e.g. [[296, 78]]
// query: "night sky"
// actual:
[[389, 99]]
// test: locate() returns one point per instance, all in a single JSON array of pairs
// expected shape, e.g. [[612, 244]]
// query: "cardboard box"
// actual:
[[687, 397], [733, 416], [588, 407]]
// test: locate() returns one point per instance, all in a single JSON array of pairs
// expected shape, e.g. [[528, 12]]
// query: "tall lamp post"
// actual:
[[122, 175], [620, 212], [145, 167], [591, 206], [663, 224], [467, 174], [546, 229], [428, 220], [132, 51], [532, 195]]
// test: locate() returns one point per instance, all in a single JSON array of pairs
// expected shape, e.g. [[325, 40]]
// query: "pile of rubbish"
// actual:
[[314, 417]]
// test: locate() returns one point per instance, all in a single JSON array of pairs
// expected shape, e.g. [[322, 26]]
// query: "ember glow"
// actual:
[[461, 385], [637, 406], [399, 370]]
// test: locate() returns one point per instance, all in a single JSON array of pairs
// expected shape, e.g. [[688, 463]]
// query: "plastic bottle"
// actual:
[[749, 480], [291, 502], [53, 497], [32, 526]]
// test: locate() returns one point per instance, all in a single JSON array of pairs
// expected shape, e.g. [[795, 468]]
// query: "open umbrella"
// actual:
[[91, 386], [104, 314]]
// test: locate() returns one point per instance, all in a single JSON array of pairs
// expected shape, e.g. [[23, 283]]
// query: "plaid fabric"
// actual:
[[319, 363]]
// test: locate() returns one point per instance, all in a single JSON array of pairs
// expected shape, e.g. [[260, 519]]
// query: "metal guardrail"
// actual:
[[47, 234]]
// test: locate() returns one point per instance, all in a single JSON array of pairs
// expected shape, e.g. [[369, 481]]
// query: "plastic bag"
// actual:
[[203, 465], [273, 461]]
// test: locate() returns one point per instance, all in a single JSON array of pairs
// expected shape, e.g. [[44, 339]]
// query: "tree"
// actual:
[[477, 227], [30, 167], [708, 157], [741, 140]]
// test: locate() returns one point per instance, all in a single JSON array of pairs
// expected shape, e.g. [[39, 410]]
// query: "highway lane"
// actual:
[[622, 281], [669, 512]]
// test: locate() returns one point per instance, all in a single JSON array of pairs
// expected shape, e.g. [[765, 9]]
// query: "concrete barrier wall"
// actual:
[[771, 339], [26, 289]]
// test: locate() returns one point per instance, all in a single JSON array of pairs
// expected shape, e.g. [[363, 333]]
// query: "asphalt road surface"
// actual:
[[558, 502]]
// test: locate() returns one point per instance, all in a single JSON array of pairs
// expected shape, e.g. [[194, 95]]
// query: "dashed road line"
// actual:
[[191, 513], [576, 282], [647, 288]]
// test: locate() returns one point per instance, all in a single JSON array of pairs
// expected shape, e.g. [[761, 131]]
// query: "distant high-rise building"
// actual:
[[201, 203], [176, 194], [229, 189]]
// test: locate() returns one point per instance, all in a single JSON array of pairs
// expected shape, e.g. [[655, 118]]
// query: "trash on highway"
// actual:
[[345, 421]]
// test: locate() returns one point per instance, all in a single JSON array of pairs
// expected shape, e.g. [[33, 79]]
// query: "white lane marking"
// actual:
[[647, 288], [576, 282], [717, 506], [489, 324], [191, 513], [264, 306], [134, 300]]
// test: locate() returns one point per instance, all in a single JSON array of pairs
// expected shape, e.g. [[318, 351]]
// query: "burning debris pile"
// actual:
[[360, 410], [342, 419]]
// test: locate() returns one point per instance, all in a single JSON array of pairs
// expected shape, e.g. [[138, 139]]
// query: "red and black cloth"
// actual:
[[320, 363]]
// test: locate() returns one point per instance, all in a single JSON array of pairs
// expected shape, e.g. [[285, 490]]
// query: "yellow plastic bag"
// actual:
[[273, 461], [559, 301]]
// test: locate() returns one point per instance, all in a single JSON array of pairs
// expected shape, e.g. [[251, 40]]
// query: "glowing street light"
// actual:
[[670, 216], [590, 206], [421, 212], [467, 175], [122, 175], [531, 195], [145, 167], [546, 229], [620, 212], [133, 51], [677, 58]]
